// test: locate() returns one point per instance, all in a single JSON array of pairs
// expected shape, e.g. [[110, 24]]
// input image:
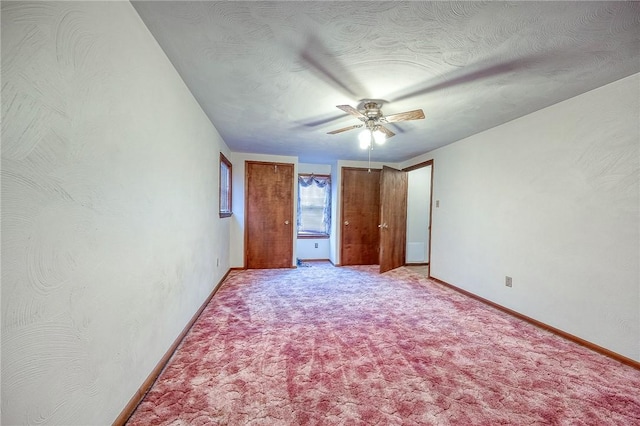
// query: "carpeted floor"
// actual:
[[348, 346]]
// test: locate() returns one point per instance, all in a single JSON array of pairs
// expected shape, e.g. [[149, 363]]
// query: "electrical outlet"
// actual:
[[218, 261], [508, 281], [437, 203], [316, 245]]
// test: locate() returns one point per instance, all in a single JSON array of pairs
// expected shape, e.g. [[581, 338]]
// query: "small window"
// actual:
[[225, 186], [314, 206]]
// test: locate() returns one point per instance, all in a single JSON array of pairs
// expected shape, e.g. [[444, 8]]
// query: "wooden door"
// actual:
[[268, 215], [393, 218], [360, 235]]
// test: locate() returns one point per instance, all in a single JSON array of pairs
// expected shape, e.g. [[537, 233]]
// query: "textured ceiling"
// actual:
[[270, 74]]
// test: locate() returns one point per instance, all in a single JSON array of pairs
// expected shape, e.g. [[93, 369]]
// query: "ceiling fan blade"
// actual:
[[465, 76], [404, 116], [351, 110], [386, 131], [320, 120], [344, 129], [324, 63]]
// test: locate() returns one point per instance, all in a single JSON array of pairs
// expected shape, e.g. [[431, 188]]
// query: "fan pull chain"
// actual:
[[370, 149]]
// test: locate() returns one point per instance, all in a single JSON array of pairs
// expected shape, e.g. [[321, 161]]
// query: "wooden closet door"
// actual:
[[360, 235], [268, 215]]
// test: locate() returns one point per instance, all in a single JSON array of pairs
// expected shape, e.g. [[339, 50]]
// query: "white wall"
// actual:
[[110, 226], [238, 182], [317, 169], [334, 242], [307, 250], [551, 199], [418, 206]]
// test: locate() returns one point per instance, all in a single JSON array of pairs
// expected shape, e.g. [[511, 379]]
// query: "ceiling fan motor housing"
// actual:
[[372, 111]]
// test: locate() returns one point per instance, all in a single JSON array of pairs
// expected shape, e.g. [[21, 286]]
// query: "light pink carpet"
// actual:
[[347, 346]]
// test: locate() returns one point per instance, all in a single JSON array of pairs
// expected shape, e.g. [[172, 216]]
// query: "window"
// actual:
[[225, 186], [314, 206]]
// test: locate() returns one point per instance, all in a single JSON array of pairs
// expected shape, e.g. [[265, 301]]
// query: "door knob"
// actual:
[[346, 223], [383, 225], [286, 222]]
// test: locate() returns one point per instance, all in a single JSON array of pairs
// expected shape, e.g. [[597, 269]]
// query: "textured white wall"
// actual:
[[551, 199], [110, 225], [237, 224]]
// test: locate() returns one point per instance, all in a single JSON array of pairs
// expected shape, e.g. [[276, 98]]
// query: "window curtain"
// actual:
[[305, 181]]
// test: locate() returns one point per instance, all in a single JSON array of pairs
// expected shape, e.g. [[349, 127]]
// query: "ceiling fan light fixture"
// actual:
[[365, 138], [379, 137]]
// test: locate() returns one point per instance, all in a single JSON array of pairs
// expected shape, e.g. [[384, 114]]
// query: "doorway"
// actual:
[[419, 200], [373, 222]]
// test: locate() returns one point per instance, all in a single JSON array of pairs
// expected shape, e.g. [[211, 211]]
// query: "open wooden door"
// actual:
[[393, 218], [268, 215]]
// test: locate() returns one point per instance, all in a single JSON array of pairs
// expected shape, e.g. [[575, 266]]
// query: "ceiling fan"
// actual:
[[373, 120]]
